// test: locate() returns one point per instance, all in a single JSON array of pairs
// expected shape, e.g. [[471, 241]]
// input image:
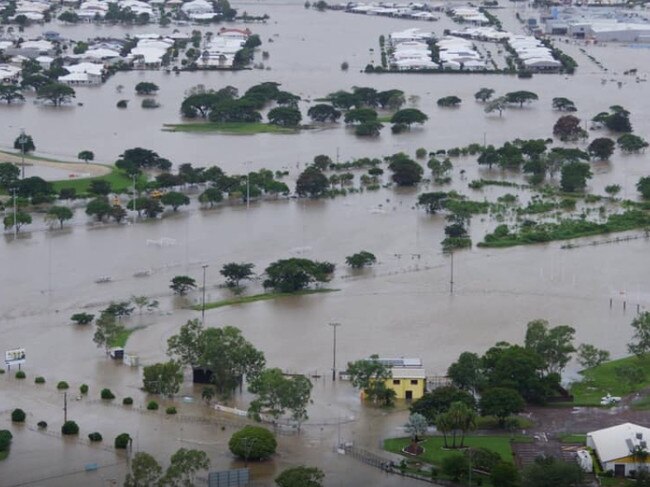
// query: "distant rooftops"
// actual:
[[401, 362]]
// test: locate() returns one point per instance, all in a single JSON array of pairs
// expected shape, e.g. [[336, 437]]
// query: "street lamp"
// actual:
[[205, 266], [248, 186], [22, 140], [334, 326], [15, 221]]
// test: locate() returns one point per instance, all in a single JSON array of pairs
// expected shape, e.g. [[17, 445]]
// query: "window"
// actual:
[[414, 382], [396, 382]]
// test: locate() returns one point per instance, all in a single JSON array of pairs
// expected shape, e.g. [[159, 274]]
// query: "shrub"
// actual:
[[171, 410], [18, 416], [107, 394], [122, 103], [41, 425], [152, 406], [21, 374], [62, 385], [70, 428], [150, 103], [83, 388], [253, 443], [82, 318], [39, 380], [122, 441], [2, 371], [95, 436], [5, 439], [127, 401], [421, 153]]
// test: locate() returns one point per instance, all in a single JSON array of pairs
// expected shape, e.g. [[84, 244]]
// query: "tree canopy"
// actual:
[[253, 443], [222, 351], [277, 393], [294, 274], [406, 172]]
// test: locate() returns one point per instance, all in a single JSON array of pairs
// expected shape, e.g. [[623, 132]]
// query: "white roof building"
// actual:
[[9, 73], [615, 446], [41, 46], [197, 7]]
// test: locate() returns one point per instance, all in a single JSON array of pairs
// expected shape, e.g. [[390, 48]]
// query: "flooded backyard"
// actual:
[[403, 306]]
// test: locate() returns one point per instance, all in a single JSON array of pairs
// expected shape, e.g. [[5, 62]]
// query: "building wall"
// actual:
[[401, 386], [629, 462]]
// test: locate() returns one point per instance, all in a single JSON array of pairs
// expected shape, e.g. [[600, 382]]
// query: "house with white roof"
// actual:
[[616, 446], [83, 74], [9, 74]]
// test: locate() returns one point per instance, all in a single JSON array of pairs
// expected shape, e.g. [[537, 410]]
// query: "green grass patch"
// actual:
[[123, 336], [259, 297], [616, 482], [567, 229], [118, 180], [229, 128], [573, 438], [642, 404], [434, 452], [603, 379]]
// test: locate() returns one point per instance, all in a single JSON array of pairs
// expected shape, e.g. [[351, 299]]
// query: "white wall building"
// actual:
[[614, 447]]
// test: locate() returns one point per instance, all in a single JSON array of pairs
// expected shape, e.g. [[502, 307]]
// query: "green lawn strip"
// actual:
[[434, 452], [259, 297], [573, 438], [601, 380], [229, 128], [32, 157], [118, 180], [123, 336]]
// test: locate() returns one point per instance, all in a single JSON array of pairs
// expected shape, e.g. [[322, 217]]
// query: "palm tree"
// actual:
[[444, 426], [462, 419]]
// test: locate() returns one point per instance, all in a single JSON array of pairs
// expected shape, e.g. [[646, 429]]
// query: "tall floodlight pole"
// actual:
[[15, 221], [22, 139], [334, 326], [248, 186], [205, 266], [134, 195], [451, 280]]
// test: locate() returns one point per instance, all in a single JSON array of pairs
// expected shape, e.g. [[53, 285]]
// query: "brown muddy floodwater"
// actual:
[[401, 307]]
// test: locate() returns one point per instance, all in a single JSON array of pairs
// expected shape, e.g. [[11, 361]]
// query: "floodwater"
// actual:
[[401, 307]]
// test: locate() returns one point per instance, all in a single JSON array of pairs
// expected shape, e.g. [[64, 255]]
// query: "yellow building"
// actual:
[[408, 377], [407, 383]]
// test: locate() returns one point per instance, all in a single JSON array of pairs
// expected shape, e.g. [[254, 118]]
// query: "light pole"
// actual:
[[451, 280], [334, 326], [15, 222], [22, 138], [248, 186], [204, 266], [134, 195]]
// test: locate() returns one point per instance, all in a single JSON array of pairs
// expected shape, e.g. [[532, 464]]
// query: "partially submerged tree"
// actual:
[[236, 272], [182, 284], [370, 376], [361, 259]]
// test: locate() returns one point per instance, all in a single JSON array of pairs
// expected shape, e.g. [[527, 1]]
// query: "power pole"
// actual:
[[205, 266], [15, 221], [134, 198], [22, 151], [248, 186], [65, 407], [451, 281], [334, 326]]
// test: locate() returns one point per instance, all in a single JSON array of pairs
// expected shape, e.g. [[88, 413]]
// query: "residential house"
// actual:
[[616, 446]]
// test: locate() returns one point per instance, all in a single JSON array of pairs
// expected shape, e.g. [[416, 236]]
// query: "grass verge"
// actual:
[[603, 379], [434, 452], [123, 337], [229, 128], [118, 180], [573, 438], [259, 297]]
